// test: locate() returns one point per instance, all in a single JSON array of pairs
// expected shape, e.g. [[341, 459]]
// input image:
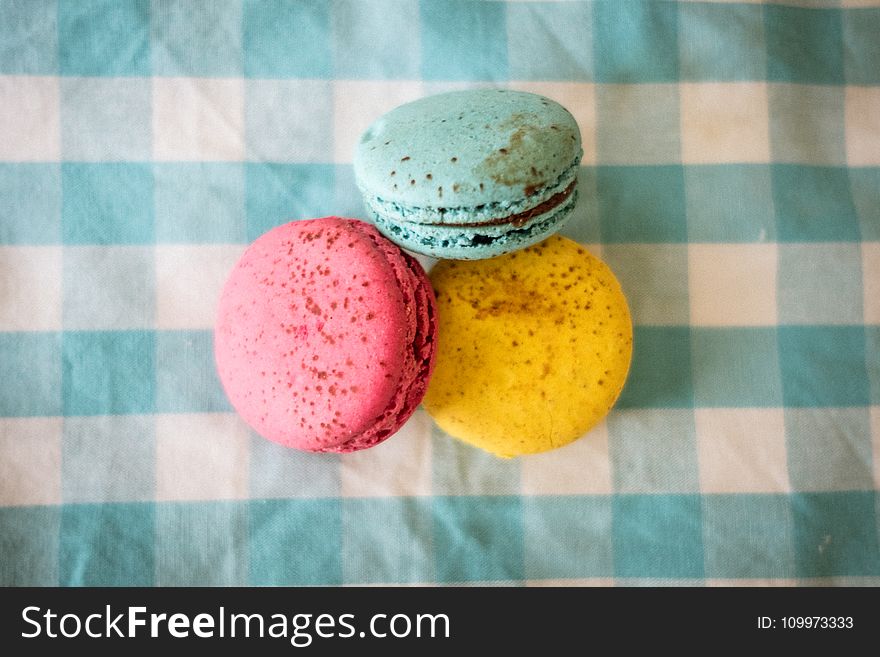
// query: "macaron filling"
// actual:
[[427, 237], [520, 219], [475, 215]]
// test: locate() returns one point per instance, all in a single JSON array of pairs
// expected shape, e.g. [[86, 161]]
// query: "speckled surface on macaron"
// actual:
[[470, 174], [325, 335], [533, 347]]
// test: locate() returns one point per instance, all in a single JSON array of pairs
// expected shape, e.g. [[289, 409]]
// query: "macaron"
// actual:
[[533, 347], [325, 335], [470, 174]]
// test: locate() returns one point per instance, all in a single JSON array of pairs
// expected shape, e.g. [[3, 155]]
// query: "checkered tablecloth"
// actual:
[[731, 179]]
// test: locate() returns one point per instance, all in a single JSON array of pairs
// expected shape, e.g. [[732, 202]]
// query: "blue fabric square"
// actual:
[[658, 536], [803, 45], [807, 124], [106, 119], [654, 278], [201, 544], [186, 381], [823, 365], [107, 203], [721, 42], [284, 39], [729, 203], [829, 448], [463, 40], [636, 41], [861, 28], [820, 284], [478, 538], [460, 469], [559, 37], [95, 450], [653, 451], [302, 133], [33, 362], [347, 198], [108, 372], [28, 37], [387, 540], [107, 545], [30, 203], [642, 204], [748, 536], [109, 287], [736, 367], [660, 374], [278, 471], [295, 542], [567, 537], [836, 534], [104, 37], [363, 49], [199, 202], [196, 38], [583, 225], [638, 124], [278, 193], [865, 185], [29, 545], [813, 204]]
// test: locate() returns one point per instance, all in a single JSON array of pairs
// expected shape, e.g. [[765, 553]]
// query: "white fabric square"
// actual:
[[29, 119], [871, 281], [30, 461], [751, 583], [724, 122], [577, 581], [580, 468], [742, 450], [431, 87], [198, 119], [357, 103], [732, 284], [399, 466], [863, 126], [579, 98], [189, 280], [30, 288], [202, 456]]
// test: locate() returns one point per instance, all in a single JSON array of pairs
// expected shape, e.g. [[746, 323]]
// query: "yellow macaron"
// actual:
[[533, 347]]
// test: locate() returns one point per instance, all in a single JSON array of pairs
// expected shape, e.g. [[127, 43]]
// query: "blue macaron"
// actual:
[[470, 174]]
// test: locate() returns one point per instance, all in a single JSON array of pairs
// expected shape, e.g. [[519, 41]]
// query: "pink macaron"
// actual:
[[325, 335]]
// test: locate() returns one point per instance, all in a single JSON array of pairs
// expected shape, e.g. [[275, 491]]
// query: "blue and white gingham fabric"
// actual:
[[731, 178]]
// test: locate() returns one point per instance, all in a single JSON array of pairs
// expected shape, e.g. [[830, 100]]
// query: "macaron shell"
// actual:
[[323, 330], [465, 149], [533, 347]]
